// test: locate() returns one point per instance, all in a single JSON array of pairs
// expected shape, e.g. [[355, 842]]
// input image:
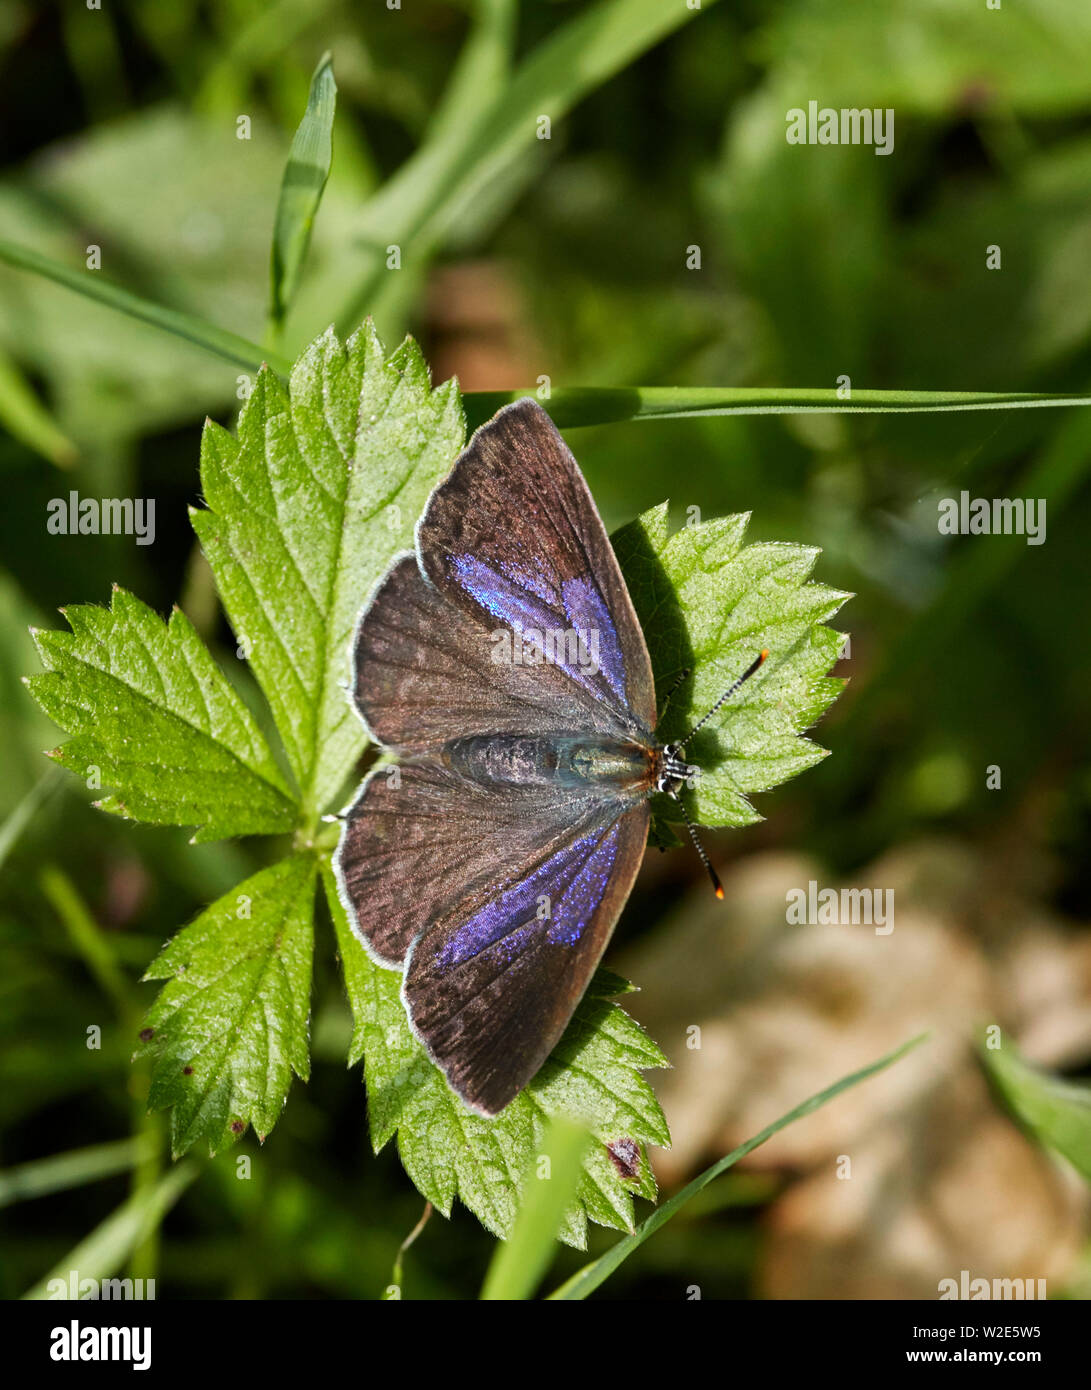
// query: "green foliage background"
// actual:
[[667, 134]]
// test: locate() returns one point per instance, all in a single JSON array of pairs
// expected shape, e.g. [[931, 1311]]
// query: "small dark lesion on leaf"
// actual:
[[146, 1034], [237, 1126], [625, 1156], [187, 1071]]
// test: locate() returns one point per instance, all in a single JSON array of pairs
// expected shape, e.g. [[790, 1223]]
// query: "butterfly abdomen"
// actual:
[[574, 760]]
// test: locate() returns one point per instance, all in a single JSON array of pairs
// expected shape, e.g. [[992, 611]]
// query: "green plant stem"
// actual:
[[151, 1135], [26, 418], [394, 1289]]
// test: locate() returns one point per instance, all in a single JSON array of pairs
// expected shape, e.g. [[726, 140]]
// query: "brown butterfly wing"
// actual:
[[490, 994], [513, 532]]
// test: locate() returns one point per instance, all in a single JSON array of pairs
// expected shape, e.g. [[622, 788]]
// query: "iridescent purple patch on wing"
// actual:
[[594, 660], [570, 913], [587, 612], [502, 596], [571, 883], [527, 578]]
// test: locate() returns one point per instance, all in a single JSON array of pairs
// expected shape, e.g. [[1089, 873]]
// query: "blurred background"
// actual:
[[118, 129]]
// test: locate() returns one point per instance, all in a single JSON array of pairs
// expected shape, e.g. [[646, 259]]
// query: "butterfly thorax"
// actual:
[[625, 767]]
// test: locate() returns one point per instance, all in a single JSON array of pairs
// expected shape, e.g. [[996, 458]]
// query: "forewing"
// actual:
[[490, 992], [426, 670], [513, 534]]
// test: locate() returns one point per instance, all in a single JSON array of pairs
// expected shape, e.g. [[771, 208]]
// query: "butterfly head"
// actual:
[[674, 772]]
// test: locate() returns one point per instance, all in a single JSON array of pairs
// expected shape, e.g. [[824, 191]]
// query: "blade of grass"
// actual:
[[573, 406], [98, 955], [519, 1263], [1057, 1112], [483, 68], [94, 54], [249, 50], [108, 1246], [20, 817], [576, 58], [301, 190], [25, 418], [151, 1135], [87, 937], [569, 406], [480, 74], [60, 1172], [229, 346], [587, 1279]]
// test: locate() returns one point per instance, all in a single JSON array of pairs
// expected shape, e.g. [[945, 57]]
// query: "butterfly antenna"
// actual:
[[699, 847], [682, 676], [754, 666]]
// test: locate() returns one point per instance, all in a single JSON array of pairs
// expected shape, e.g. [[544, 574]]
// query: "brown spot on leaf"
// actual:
[[625, 1156], [146, 1034]]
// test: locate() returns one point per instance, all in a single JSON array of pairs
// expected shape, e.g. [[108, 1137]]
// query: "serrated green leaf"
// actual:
[[231, 1025], [155, 720], [593, 1076], [709, 604], [307, 506], [306, 509], [301, 190]]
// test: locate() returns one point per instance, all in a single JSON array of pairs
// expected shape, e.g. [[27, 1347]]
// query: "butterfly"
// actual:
[[503, 667]]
